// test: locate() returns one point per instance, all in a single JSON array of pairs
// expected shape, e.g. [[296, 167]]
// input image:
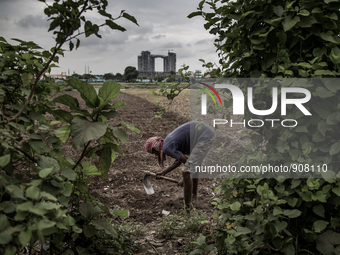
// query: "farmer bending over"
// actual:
[[176, 145]]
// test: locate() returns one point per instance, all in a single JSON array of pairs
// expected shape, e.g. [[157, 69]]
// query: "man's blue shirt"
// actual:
[[184, 138]]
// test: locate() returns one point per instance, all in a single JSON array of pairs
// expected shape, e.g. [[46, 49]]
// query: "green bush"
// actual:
[[43, 192], [281, 39]]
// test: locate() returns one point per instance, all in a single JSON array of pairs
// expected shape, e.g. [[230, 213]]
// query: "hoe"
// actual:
[[147, 182]]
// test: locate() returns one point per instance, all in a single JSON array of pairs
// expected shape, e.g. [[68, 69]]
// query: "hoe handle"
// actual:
[[162, 177]]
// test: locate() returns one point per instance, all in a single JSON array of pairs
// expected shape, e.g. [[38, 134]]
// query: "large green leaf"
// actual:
[[45, 223], [33, 192], [89, 169], [5, 238], [104, 225], [24, 206], [115, 147], [15, 192], [63, 115], [335, 148], [7, 207], [4, 160], [105, 161], [69, 173], [85, 209], [68, 100], [3, 222], [110, 114], [130, 17], [108, 91], [89, 231], [25, 237], [120, 135], [292, 213], [235, 206], [63, 133], [280, 225], [46, 162], [335, 55], [83, 131], [121, 213], [37, 145], [68, 189], [289, 22], [45, 172], [327, 37], [114, 25], [87, 92], [319, 210], [325, 242], [320, 225]]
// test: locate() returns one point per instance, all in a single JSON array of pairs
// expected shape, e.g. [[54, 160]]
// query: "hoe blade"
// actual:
[[147, 184]]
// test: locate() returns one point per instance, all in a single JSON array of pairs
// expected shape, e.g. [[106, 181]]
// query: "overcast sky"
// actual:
[[163, 26]]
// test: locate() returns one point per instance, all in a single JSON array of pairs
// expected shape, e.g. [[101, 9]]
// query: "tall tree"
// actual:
[[119, 77], [130, 73], [109, 76]]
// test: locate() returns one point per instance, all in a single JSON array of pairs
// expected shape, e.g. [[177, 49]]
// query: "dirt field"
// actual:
[[124, 187], [124, 181]]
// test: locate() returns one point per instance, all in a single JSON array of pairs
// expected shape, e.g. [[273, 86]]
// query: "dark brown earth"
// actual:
[[124, 184], [124, 187]]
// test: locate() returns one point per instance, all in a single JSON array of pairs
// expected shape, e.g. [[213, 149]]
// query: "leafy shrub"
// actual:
[[281, 39], [43, 193]]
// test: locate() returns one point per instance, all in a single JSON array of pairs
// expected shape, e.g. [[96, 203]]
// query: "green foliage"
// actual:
[[172, 90], [109, 76], [292, 38], [130, 73], [182, 223], [43, 192], [268, 215], [273, 39]]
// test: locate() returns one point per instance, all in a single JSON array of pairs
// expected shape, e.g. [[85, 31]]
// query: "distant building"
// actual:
[[146, 64], [198, 74], [56, 76]]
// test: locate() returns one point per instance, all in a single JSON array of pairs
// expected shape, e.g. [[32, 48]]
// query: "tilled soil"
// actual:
[[124, 188]]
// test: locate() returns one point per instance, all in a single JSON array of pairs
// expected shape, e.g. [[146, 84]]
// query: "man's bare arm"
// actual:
[[174, 165]]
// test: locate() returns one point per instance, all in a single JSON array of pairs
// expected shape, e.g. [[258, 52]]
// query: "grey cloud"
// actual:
[[204, 41], [33, 21], [158, 36], [140, 39], [172, 45]]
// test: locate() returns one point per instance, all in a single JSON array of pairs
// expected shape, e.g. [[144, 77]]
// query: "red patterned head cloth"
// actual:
[[156, 143]]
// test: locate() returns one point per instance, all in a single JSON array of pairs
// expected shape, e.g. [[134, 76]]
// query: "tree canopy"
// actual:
[[130, 73]]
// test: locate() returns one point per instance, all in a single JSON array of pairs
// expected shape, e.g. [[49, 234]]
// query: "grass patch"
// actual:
[[180, 224], [185, 227]]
